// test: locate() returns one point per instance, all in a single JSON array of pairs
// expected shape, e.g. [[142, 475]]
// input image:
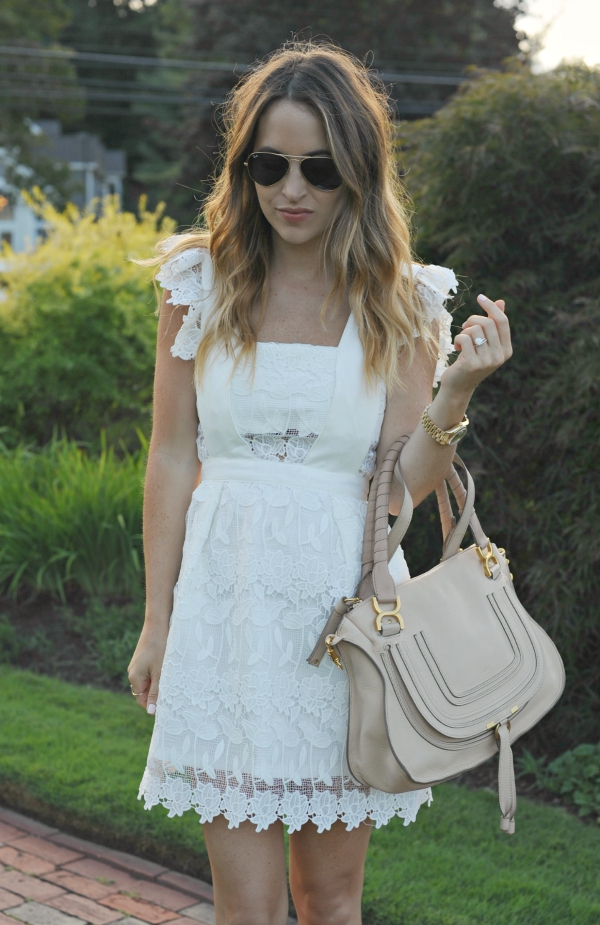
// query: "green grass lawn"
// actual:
[[73, 756]]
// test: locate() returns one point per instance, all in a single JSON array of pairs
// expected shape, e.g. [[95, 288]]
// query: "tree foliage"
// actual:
[[36, 21], [117, 28], [440, 35], [77, 329], [399, 34], [27, 86], [506, 184]]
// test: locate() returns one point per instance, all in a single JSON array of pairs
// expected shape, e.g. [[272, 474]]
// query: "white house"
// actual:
[[97, 172]]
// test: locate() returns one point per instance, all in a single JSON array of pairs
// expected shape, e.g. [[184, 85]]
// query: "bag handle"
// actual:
[[379, 547], [378, 506]]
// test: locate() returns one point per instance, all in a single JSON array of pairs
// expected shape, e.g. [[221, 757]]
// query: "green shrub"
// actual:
[[111, 631], [77, 329], [69, 520], [576, 777], [9, 644], [506, 184]]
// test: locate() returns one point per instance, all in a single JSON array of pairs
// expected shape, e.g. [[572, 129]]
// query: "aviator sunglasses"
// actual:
[[266, 169]]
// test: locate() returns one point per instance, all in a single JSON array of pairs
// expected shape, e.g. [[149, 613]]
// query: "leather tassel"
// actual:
[[507, 789]]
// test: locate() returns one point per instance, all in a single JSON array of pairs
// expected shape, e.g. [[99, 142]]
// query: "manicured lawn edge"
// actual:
[[176, 857], [72, 757]]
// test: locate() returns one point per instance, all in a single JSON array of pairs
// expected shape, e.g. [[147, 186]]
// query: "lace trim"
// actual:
[[189, 277], [262, 804], [434, 285]]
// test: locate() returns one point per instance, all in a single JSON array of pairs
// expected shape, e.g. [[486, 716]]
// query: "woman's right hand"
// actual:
[[146, 664]]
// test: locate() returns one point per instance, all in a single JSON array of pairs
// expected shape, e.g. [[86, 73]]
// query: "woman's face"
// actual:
[[298, 212]]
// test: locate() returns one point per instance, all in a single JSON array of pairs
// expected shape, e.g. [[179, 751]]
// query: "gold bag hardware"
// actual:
[[459, 676]]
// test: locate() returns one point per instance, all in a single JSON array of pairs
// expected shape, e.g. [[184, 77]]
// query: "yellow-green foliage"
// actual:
[[77, 326]]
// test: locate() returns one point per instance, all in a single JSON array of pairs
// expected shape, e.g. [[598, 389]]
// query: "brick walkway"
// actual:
[[49, 878]]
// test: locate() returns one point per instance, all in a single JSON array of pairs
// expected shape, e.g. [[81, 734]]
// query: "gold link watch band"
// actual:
[[445, 437]]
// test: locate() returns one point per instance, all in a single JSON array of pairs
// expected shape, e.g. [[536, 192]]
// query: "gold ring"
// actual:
[[134, 693]]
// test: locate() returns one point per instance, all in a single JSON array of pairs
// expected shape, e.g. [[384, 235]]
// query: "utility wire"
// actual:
[[450, 80], [124, 60], [114, 96]]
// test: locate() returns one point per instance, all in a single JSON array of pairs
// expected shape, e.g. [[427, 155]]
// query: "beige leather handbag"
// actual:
[[446, 669]]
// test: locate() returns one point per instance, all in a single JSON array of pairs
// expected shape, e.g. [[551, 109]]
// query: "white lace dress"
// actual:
[[244, 726]]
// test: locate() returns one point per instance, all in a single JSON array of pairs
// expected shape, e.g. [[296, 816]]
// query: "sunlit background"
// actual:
[[567, 29]]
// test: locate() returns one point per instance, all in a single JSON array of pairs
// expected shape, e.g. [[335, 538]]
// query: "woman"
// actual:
[[296, 343]]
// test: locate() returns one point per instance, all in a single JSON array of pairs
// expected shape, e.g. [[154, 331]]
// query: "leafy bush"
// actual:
[[70, 520], [576, 777], [506, 184], [9, 644], [112, 632], [77, 329]]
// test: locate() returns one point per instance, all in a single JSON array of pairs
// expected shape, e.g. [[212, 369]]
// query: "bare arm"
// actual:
[[424, 461], [172, 474]]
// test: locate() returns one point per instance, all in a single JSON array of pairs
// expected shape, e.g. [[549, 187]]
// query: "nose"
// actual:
[[294, 183]]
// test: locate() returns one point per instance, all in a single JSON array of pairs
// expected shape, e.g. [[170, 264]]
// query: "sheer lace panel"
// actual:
[[292, 444], [241, 798]]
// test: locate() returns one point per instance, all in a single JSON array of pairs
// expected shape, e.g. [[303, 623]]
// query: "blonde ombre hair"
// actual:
[[367, 245]]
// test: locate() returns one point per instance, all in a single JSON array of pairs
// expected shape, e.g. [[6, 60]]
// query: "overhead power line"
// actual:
[[121, 60], [449, 80], [50, 94]]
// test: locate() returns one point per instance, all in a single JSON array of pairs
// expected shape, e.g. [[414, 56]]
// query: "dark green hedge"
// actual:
[[506, 184]]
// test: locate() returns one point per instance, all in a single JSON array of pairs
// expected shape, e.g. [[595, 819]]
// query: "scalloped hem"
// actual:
[[285, 802]]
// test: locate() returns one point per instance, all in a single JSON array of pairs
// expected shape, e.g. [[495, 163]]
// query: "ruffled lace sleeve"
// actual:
[[188, 276], [434, 285]]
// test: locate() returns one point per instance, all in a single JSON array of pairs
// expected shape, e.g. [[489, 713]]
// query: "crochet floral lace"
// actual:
[[244, 726], [244, 799]]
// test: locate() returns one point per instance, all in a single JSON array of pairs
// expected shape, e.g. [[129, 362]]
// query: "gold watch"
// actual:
[[445, 437]]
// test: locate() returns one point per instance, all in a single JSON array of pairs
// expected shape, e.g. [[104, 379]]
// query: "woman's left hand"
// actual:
[[474, 362]]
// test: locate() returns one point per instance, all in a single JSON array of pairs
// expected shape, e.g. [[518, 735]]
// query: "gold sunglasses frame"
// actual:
[[295, 157]]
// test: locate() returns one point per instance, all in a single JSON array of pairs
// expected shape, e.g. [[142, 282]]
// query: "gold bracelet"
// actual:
[[445, 437]]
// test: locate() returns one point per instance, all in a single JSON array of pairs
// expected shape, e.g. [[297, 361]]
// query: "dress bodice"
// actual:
[[314, 399], [281, 416], [278, 413]]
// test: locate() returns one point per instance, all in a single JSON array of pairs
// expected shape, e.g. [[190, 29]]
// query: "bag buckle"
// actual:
[[332, 653], [488, 557], [395, 613]]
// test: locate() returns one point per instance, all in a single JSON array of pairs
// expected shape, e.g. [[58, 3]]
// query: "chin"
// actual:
[[296, 235]]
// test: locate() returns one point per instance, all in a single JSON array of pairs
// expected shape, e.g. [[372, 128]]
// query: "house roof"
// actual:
[[80, 147]]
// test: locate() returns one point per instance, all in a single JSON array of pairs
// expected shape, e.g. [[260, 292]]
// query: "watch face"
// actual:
[[457, 436]]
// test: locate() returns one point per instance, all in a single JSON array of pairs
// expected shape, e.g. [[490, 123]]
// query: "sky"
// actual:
[[573, 30]]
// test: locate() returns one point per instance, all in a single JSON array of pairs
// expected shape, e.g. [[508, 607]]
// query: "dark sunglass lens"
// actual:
[[321, 173], [267, 169]]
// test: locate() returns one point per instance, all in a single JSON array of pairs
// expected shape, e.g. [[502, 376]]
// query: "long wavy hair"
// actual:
[[367, 245]]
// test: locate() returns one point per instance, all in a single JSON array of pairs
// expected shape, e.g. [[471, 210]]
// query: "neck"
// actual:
[[300, 261]]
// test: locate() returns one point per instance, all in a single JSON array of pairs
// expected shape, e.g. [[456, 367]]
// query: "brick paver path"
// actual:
[[50, 878]]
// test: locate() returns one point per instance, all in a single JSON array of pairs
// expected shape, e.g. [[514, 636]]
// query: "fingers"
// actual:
[[498, 315], [495, 327], [464, 345], [145, 691], [152, 697]]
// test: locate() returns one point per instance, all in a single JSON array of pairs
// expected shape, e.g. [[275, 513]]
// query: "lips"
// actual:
[[295, 215]]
